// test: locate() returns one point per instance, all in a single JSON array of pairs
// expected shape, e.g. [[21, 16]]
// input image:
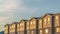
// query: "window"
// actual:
[[28, 31], [48, 19], [21, 23], [57, 21], [46, 30], [41, 32], [49, 22], [22, 26], [13, 25], [32, 32], [45, 21], [40, 24], [57, 29], [31, 23], [57, 17], [34, 21], [27, 23]]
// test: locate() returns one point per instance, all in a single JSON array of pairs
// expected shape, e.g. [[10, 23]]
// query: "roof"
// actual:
[[40, 18], [48, 14], [14, 23], [23, 20], [35, 18], [7, 25], [57, 14]]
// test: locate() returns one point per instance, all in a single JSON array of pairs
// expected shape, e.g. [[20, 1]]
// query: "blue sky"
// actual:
[[15, 10]]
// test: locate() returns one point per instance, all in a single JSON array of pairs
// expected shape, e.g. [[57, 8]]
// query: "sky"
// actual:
[[15, 10]]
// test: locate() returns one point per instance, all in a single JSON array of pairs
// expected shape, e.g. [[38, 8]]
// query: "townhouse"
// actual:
[[13, 28], [48, 24], [6, 29]]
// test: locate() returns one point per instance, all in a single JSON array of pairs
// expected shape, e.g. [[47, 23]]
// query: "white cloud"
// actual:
[[10, 9], [9, 4], [3, 19], [7, 8]]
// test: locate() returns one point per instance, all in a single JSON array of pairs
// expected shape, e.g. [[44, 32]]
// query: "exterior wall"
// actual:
[[33, 31], [48, 31], [47, 21], [18, 32], [48, 26], [40, 31], [6, 29], [10, 30], [27, 27], [21, 32], [40, 23], [22, 27], [13, 28], [57, 30], [18, 29], [28, 32], [40, 26], [57, 23], [33, 26]]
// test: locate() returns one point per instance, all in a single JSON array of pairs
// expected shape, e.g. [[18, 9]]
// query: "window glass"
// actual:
[[34, 22], [45, 21], [58, 29], [57, 17], [31, 23], [46, 30], [48, 19], [57, 21], [40, 31], [32, 32]]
